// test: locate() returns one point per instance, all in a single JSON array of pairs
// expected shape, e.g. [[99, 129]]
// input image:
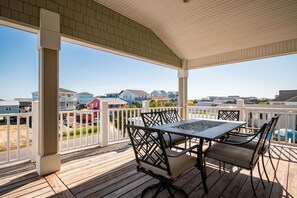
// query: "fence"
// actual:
[[85, 128]]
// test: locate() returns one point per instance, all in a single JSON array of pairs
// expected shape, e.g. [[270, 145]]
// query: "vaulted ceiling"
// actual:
[[214, 32]]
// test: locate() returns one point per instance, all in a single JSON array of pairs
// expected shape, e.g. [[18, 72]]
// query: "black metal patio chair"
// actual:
[[234, 154], [231, 115], [151, 119], [171, 116], [251, 138], [154, 159]]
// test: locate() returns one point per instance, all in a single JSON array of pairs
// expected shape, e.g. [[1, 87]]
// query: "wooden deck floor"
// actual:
[[110, 172]]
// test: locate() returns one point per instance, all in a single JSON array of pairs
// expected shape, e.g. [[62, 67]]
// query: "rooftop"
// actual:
[[285, 95], [9, 103], [137, 92]]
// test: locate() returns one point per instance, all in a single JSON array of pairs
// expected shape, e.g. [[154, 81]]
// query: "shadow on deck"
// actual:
[[111, 172]]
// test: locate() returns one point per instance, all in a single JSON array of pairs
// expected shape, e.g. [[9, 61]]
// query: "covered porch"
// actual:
[[187, 35], [111, 172]]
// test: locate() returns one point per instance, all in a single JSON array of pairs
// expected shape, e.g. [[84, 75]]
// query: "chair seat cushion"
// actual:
[[177, 165], [230, 154], [250, 145], [174, 139]]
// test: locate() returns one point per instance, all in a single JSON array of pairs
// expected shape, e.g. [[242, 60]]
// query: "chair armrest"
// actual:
[[237, 144], [242, 134], [183, 152]]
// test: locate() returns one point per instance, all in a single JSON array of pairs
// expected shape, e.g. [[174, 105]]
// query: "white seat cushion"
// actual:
[[177, 165], [235, 155]]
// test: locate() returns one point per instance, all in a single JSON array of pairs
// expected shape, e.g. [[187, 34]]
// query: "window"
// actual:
[[261, 116], [8, 108]]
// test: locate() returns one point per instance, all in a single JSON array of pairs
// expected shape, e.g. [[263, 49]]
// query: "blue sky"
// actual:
[[85, 69]]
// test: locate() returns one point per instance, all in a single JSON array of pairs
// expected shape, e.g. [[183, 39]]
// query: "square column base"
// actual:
[[48, 164]]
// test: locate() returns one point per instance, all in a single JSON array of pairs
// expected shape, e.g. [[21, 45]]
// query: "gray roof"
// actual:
[[285, 95], [23, 99], [84, 93], [137, 92], [9, 103], [293, 99], [61, 90], [66, 90]]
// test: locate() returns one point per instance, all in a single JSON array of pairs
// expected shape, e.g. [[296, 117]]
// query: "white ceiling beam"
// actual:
[[253, 53]]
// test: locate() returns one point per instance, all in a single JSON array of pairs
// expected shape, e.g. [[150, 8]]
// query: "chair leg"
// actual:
[[269, 154], [265, 168], [253, 184], [169, 191], [179, 189], [158, 185], [260, 175]]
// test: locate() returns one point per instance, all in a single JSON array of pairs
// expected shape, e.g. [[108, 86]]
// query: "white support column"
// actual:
[[145, 106], [240, 107], [183, 89], [104, 119], [48, 159], [35, 131]]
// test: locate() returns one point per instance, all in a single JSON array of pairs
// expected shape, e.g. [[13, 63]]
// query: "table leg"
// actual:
[[200, 164]]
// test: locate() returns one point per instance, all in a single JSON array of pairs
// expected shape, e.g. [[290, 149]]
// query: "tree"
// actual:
[[190, 103]]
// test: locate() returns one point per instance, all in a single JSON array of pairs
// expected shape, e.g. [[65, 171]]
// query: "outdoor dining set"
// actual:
[[167, 146]]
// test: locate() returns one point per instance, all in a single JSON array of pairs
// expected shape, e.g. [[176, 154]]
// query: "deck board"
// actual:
[[111, 172]]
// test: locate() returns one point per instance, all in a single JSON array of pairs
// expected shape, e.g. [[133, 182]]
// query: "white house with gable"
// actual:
[[131, 96]]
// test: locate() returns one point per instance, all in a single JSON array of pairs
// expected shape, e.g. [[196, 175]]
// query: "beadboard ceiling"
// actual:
[[201, 28]]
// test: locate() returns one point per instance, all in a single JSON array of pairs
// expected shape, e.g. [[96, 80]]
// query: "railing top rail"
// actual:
[[78, 111], [121, 109], [165, 107], [270, 108], [16, 114]]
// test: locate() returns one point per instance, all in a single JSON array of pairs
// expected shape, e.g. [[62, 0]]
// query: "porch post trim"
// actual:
[[48, 158], [183, 89]]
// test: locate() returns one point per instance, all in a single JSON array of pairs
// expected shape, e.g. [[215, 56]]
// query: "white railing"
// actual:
[[15, 137], [81, 129], [118, 118], [78, 129], [285, 129], [154, 109], [255, 117]]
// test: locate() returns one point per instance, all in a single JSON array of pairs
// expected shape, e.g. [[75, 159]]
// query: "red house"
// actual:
[[112, 103]]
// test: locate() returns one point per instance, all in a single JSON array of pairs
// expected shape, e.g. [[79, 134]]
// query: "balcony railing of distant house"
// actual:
[[80, 129]]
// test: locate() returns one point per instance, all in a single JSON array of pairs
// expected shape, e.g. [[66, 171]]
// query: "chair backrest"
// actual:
[[269, 135], [151, 119], [232, 115], [149, 148], [171, 116], [263, 133]]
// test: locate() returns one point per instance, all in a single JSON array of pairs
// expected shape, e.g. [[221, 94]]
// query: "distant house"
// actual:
[[83, 98], [9, 106], [112, 103], [285, 97], [25, 104], [160, 99], [131, 96], [100, 96], [159, 93], [173, 96], [112, 95], [67, 100]]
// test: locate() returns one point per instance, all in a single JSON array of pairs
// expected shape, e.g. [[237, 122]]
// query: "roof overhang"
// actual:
[[207, 33]]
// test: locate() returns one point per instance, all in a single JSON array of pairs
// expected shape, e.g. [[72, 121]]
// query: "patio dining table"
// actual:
[[203, 129]]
